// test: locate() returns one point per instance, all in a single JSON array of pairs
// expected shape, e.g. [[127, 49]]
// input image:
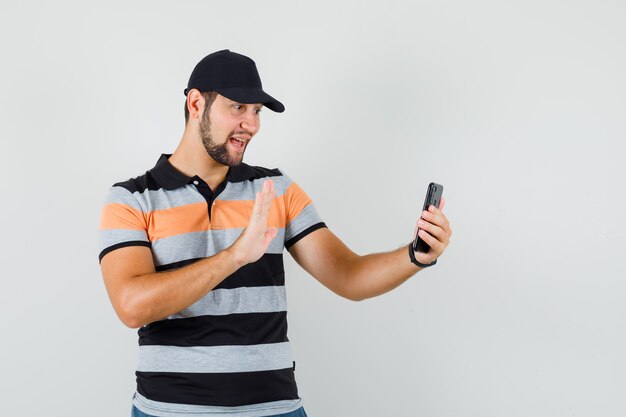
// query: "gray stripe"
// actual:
[[246, 190], [202, 244], [107, 238], [307, 218], [120, 195], [161, 199], [151, 200], [286, 179], [215, 359], [161, 409], [238, 300], [181, 247]]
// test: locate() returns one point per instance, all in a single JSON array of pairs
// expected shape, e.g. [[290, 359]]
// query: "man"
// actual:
[[191, 253]]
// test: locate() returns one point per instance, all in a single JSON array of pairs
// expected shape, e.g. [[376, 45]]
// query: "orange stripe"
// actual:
[[178, 220], [226, 214], [121, 216], [296, 200], [229, 214]]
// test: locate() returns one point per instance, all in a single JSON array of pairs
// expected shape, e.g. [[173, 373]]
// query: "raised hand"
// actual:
[[434, 230], [255, 239]]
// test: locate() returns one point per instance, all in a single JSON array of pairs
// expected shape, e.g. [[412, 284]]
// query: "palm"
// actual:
[[257, 236]]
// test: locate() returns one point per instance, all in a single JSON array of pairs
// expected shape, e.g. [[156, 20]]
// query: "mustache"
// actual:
[[241, 133]]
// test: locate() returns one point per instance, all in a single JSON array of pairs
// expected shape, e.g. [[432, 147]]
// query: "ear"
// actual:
[[195, 104]]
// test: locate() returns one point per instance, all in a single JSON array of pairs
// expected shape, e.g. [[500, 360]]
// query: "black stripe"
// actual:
[[231, 329], [293, 240], [268, 270], [123, 245], [176, 265], [226, 389], [140, 183], [164, 175], [244, 172]]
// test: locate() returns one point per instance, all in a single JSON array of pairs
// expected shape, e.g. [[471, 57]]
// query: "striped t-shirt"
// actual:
[[228, 353]]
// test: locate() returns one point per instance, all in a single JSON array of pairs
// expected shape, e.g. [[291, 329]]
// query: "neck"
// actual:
[[190, 158]]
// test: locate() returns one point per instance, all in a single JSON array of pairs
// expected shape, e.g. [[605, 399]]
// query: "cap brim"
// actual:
[[250, 96]]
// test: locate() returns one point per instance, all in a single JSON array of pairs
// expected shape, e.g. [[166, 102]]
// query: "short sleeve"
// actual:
[[122, 222], [302, 217]]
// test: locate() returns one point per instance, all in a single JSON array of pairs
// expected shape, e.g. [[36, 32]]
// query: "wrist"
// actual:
[[415, 261], [235, 256]]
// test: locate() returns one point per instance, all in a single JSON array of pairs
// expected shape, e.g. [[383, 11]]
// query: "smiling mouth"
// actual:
[[238, 144]]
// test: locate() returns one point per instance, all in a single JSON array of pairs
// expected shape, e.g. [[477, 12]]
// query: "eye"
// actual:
[[257, 111], [237, 106]]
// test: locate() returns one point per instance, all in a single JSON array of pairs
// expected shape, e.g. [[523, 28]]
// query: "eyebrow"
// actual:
[[257, 105]]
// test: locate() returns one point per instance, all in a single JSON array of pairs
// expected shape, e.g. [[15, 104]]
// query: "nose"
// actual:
[[251, 122]]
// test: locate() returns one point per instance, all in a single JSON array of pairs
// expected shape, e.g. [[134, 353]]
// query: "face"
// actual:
[[227, 127]]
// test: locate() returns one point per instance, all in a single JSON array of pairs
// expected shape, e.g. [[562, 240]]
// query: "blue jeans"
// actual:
[[135, 412]]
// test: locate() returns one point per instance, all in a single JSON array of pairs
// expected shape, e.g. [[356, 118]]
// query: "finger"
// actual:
[[258, 200], [269, 195], [442, 204], [263, 208], [441, 228], [432, 229], [436, 216], [267, 184], [434, 244], [263, 199], [268, 190], [260, 203], [268, 200]]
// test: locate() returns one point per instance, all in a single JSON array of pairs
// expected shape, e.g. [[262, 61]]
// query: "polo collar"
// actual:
[[170, 178]]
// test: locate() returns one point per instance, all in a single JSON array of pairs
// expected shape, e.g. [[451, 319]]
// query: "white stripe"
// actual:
[[203, 244], [236, 301], [162, 199], [120, 195], [246, 190], [161, 409], [110, 237], [307, 218], [215, 359]]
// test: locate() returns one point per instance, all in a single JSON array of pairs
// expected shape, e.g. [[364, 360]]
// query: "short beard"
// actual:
[[216, 151]]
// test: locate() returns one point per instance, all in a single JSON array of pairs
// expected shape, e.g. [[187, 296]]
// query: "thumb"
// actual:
[[270, 234]]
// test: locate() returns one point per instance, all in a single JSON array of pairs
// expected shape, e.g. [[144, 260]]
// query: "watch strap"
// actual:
[[415, 261]]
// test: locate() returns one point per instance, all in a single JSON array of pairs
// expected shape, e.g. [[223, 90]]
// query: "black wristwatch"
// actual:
[[415, 261]]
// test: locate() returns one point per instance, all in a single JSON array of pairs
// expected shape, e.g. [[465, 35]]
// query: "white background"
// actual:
[[517, 108]]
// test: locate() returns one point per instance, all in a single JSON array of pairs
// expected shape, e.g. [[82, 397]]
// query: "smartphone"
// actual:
[[433, 197]]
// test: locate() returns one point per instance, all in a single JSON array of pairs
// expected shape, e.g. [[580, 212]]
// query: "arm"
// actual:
[[140, 295], [330, 261]]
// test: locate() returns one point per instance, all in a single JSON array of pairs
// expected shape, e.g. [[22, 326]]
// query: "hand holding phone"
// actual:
[[433, 197]]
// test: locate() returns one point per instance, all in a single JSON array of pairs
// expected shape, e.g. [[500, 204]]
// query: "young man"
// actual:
[[191, 253]]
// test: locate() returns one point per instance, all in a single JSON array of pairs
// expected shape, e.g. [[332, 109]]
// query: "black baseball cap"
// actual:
[[234, 76]]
